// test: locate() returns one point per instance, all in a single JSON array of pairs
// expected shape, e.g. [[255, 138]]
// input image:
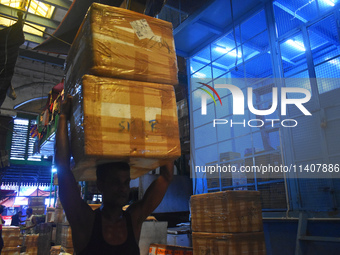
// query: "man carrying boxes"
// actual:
[[120, 72], [108, 230]]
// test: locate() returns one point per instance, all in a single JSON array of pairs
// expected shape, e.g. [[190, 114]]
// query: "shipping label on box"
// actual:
[[122, 120], [115, 42]]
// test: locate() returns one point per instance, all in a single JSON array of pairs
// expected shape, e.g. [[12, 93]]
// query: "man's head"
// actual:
[[113, 181], [29, 211]]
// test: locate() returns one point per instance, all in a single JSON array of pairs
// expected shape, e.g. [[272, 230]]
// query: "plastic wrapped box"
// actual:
[[122, 120], [11, 251], [11, 236], [115, 42]]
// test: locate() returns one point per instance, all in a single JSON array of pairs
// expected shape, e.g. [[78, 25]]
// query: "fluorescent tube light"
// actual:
[[296, 44]]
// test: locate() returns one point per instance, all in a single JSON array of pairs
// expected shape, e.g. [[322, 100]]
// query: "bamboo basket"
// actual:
[[228, 244], [227, 212]]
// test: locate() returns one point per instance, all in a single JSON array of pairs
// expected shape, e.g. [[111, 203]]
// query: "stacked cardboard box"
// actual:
[[228, 222], [66, 238], [121, 70], [37, 204], [36, 201], [55, 250], [45, 237], [31, 244], [12, 240], [50, 213], [11, 251], [58, 213]]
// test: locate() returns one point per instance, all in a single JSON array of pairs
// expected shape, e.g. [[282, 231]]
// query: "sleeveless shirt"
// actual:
[[29, 223], [98, 246]]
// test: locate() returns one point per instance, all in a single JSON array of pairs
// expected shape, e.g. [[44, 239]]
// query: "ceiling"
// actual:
[[196, 23], [210, 22], [174, 11]]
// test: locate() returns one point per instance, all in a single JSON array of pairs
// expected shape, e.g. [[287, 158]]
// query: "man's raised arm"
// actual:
[[69, 193], [154, 194]]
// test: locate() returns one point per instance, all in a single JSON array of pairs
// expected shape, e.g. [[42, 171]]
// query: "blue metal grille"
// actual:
[[293, 56], [292, 14], [314, 140]]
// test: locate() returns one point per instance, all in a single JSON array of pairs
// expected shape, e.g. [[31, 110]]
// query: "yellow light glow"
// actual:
[[27, 29], [31, 30], [6, 22], [35, 7]]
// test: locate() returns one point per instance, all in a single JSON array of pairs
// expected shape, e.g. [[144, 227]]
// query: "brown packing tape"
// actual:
[[167, 100], [173, 69], [137, 129], [141, 62], [163, 123], [167, 118]]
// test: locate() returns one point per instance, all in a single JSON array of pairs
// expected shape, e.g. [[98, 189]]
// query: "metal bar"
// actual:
[[320, 238], [19, 111], [284, 8], [296, 219], [193, 17], [211, 27], [302, 231], [62, 4], [41, 57], [175, 9], [182, 53], [33, 38]]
